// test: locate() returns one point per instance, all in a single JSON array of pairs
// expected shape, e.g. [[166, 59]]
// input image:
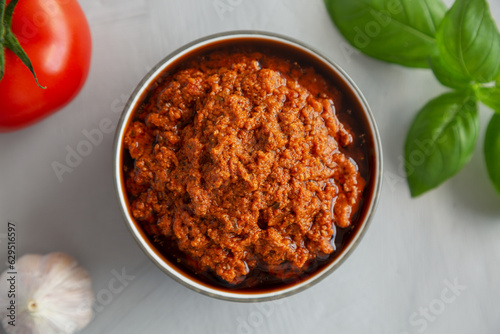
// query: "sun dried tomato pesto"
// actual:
[[240, 164]]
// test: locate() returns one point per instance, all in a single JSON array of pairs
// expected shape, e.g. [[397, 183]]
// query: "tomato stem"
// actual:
[[2, 14], [8, 39], [2, 52], [9, 12]]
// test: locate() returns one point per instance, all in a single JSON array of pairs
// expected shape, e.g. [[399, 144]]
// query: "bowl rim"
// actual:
[[139, 235]]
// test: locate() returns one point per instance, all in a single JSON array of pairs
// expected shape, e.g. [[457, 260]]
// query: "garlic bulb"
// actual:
[[53, 295]]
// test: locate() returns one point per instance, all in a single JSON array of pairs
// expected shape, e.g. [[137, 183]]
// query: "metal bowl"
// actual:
[[227, 39]]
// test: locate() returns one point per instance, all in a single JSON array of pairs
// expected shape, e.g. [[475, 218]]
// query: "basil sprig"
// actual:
[[462, 47]]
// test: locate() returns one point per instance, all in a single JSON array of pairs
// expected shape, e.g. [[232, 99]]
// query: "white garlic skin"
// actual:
[[53, 295]]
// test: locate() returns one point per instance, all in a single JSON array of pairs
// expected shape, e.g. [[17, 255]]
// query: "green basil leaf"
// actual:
[[492, 150], [469, 42], [396, 31], [441, 140], [446, 76], [490, 96]]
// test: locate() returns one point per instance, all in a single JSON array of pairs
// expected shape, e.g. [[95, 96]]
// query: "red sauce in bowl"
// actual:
[[246, 168]]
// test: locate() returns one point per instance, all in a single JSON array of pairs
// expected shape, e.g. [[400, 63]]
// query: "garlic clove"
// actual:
[[53, 295]]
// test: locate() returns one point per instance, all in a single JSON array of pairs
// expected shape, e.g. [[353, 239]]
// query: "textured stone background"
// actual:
[[413, 251]]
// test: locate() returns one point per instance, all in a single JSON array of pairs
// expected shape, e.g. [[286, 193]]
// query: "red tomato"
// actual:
[[56, 37]]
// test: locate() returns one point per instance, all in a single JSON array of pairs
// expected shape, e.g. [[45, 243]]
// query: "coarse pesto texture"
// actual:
[[239, 163]]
